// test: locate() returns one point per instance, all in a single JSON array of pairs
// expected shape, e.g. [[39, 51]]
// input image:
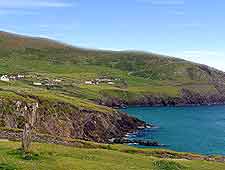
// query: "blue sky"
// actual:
[[189, 29]]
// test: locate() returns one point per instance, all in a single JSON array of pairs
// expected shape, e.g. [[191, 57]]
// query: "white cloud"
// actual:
[[33, 4]]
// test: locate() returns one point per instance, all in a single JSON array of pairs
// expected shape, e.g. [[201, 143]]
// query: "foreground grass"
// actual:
[[56, 157]]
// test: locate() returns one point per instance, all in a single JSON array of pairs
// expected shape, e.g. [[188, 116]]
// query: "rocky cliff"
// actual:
[[65, 120]]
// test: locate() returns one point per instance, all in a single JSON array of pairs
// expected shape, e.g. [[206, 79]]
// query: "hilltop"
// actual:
[[77, 88]]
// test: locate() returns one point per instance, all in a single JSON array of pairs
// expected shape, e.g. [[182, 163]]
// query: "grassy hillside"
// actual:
[[112, 157], [137, 77]]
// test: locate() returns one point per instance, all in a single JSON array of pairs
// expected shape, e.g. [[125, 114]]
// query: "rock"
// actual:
[[139, 142], [64, 120]]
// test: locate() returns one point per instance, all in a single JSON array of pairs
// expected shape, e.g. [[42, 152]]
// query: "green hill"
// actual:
[[72, 85], [139, 78]]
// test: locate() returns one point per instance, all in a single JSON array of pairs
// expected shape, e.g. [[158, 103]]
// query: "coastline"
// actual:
[[180, 135], [124, 107]]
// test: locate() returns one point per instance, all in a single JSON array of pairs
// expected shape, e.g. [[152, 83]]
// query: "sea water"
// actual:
[[199, 129]]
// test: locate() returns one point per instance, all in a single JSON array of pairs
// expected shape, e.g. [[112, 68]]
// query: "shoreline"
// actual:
[[180, 105], [142, 142]]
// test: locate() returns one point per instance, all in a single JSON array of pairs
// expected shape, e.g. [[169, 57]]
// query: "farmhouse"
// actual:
[[20, 76], [4, 78], [57, 80], [104, 80], [37, 84], [12, 77], [111, 83], [89, 82]]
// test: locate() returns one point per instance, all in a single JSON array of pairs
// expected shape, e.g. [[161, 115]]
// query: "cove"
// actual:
[[196, 129]]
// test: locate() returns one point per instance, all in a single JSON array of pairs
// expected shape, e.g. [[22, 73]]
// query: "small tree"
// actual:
[[31, 118]]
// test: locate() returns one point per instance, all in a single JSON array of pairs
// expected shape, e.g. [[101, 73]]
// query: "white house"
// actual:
[[88, 82], [111, 83], [12, 77], [103, 80], [37, 84], [4, 78], [57, 80], [20, 76]]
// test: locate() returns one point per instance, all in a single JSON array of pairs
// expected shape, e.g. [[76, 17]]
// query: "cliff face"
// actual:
[[64, 120], [186, 98]]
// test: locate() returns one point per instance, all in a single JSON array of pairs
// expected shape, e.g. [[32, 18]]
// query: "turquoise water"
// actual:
[[187, 129]]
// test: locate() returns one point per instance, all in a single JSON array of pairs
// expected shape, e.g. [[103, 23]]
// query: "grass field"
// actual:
[[57, 157]]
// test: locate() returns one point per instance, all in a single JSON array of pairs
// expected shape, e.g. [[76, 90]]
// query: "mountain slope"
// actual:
[[71, 83], [140, 78]]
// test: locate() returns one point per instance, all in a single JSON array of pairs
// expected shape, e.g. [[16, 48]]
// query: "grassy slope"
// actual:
[[56, 157], [138, 73], [17, 90]]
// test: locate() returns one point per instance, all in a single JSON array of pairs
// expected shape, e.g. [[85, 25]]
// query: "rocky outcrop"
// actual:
[[65, 120]]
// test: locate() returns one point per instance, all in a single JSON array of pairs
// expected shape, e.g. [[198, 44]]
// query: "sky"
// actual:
[[189, 29]]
